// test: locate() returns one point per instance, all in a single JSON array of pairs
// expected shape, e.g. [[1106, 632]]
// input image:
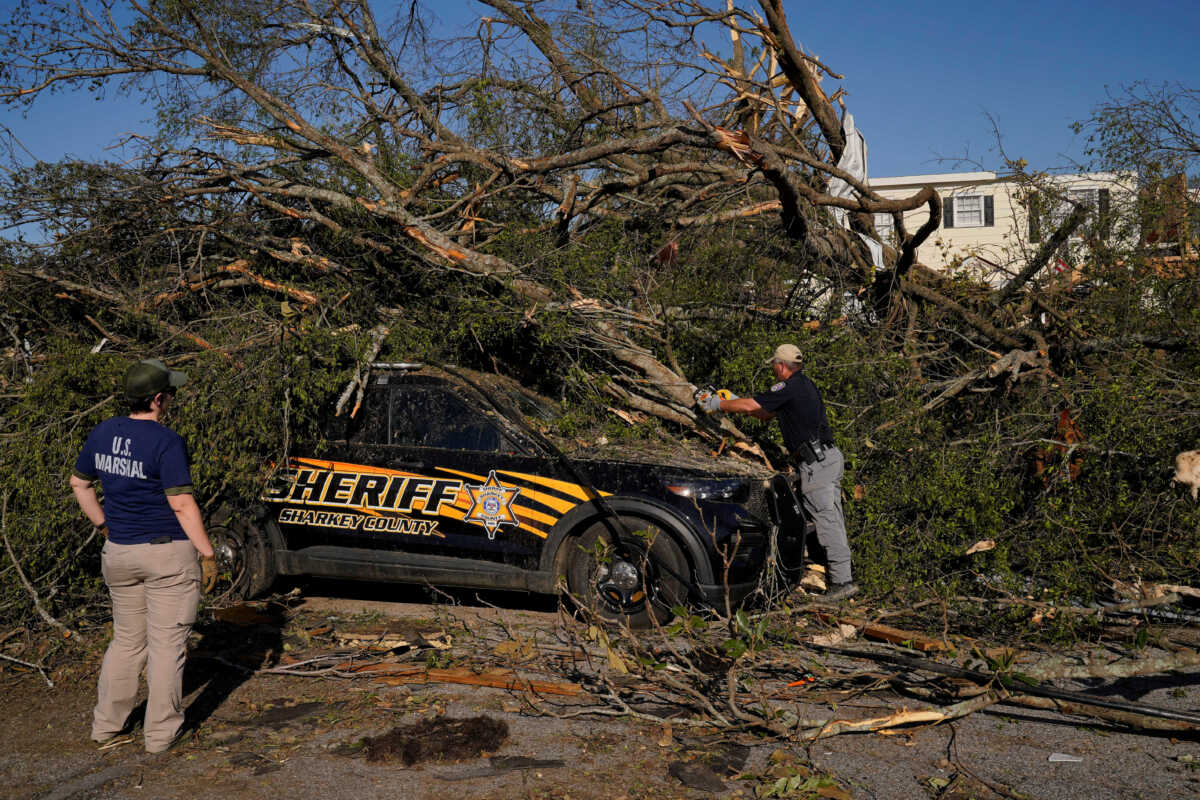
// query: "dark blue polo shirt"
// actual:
[[798, 407]]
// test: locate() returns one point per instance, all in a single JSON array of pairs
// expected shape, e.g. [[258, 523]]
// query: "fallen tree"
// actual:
[[380, 156], [613, 203]]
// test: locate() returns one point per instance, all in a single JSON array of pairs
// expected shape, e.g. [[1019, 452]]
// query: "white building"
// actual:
[[987, 227]]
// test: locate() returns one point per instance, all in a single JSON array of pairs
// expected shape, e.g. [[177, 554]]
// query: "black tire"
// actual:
[[637, 584], [245, 567]]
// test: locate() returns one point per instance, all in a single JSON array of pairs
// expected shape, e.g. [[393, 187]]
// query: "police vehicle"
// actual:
[[447, 477]]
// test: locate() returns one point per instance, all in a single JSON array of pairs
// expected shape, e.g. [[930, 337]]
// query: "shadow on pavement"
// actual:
[[234, 642]]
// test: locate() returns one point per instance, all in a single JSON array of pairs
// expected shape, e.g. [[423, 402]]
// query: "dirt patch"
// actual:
[[438, 740]]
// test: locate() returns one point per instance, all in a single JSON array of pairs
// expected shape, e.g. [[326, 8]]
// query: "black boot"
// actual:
[[840, 591]]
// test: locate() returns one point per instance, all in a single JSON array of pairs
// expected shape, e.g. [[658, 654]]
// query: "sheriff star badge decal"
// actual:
[[492, 505]]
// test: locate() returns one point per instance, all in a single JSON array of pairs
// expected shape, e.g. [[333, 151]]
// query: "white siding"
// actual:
[[989, 252]]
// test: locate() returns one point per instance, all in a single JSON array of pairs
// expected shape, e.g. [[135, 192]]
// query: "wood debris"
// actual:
[[875, 630], [982, 546], [843, 633], [384, 640]]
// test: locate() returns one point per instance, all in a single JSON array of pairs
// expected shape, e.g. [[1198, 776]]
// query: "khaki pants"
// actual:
[[155, 592]]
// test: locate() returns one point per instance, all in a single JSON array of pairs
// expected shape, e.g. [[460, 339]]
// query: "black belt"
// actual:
[[811, 452], [162, 540]]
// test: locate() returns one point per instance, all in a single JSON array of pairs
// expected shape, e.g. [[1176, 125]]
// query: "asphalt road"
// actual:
[[275, 736]]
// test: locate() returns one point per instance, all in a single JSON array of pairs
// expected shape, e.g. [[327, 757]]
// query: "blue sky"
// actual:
[[923, 77]]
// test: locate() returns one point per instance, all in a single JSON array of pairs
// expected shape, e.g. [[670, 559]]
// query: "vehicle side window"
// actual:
[[429, 416], [369, 425]]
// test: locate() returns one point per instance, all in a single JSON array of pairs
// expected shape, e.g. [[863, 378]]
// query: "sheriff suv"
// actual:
[[448, 477]]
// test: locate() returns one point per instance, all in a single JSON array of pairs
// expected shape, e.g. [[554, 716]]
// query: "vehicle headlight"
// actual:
[[722, 491]]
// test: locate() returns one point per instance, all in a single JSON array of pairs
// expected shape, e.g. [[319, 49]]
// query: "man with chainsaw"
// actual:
[[796, 403]]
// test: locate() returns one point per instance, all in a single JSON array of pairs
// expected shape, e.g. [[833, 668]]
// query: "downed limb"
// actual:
[[1016, 363], [905, 717], [237, 267], [122, 305], [395, 674], [1063, 667], [1039, 261], [1154, 591], [1127, 718], [1016, 682], [887, 633], [359, 381], [1136, 604]]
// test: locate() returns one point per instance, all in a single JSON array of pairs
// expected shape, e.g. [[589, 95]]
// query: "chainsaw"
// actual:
[[708, 389]]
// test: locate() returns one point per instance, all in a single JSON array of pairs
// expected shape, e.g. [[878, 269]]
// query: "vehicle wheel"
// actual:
[[244, 564], [637, 584]]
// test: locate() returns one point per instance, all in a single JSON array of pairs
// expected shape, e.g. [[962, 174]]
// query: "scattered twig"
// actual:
[[887, 633], [37, 603], [41, 670]]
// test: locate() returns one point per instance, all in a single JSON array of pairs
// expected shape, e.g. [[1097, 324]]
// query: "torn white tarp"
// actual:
[[853, 162], [875, 247]]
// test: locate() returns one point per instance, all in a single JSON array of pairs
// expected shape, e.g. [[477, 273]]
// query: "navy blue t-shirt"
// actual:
[[138, 462], [798, 407]]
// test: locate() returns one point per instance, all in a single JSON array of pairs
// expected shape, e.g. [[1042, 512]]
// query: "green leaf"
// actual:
[[734, 648]]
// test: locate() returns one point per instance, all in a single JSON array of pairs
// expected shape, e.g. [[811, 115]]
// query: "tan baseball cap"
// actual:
[[787, 353]]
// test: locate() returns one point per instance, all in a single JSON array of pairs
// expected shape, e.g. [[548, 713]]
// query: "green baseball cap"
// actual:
[[150, 376]]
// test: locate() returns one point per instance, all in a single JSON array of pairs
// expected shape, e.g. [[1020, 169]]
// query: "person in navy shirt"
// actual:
[[796, 403], [153, 531]]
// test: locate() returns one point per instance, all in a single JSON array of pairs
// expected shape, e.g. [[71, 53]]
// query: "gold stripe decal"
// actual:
[[548, 500], [529, 513], [569, 489]]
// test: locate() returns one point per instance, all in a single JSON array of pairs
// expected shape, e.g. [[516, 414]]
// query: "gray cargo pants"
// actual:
[[821, 493], [155, 592]]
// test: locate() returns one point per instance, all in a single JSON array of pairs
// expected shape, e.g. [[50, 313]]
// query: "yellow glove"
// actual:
[[208, 573]]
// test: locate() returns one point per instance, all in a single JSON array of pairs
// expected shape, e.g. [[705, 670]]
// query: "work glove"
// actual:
[[208, 573], [711, 401]]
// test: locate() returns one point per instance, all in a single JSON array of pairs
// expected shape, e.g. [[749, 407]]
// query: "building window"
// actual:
[[1095, 198], [968, 211], [1084, 197], [884, 226]]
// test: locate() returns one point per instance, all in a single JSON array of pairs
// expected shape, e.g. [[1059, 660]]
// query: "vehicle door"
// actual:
[[422, 468], [509, 494]]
